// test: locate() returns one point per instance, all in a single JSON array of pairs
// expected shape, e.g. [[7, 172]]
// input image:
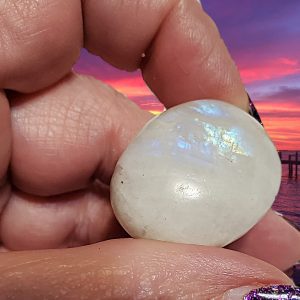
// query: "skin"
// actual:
[[62, 135]]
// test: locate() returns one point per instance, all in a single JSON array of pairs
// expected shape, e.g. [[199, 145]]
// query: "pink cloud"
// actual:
[[269, 70]]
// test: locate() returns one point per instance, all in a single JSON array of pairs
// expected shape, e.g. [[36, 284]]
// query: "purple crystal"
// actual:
[[278, 292]]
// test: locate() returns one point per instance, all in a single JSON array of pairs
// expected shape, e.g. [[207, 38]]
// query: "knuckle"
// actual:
[[32, 30]]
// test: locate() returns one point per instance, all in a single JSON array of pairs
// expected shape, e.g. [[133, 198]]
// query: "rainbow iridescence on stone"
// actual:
[[204, 165], [278, 292]]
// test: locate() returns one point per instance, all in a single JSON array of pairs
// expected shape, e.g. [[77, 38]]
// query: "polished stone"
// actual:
[[203, 172]]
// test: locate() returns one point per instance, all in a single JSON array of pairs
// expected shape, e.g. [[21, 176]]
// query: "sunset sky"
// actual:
[[264, 39]]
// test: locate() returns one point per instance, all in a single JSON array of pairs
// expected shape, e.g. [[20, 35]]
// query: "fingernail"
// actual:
[[253, 111], [237, 293], [284, 292]]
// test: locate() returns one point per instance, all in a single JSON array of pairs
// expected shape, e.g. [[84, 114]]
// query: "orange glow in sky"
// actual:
[[282, 123], [131, 87]]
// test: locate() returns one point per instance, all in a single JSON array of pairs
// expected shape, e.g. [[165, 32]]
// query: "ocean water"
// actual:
[[288, 199]]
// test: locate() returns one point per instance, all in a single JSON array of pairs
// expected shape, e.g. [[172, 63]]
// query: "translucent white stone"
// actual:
[[203, 172]]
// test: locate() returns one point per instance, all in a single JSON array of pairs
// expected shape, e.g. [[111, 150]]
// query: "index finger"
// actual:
[[185, 57]]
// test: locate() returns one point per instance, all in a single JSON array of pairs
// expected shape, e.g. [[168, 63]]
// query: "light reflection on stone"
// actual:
[[155, 147], [187, 191], [227, 141], [183, 144], [210, 138], [208, 109]]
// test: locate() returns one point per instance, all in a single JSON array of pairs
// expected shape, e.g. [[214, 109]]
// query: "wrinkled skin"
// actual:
[[61, 135]]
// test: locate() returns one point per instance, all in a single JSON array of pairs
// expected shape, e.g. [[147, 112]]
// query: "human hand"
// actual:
[[69, 130]]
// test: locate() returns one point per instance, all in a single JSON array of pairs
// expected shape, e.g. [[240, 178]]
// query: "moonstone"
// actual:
[[203, 172]]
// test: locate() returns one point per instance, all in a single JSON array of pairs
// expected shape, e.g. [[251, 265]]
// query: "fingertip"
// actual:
[[189, 60], [273, 240], [120, 31], [42, 45]]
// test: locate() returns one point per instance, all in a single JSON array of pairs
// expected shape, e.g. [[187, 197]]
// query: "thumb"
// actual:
[[131, 269]]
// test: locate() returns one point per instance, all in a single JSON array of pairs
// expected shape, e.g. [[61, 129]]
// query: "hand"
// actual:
[[67, 133]]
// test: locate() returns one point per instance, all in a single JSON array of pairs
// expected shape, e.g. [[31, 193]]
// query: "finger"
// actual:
[[60, 146], [5, 136], [272, 240], [5, 194], [38, 37], [66, 135], [69, 220], [185, 57], [5, 150], [131, 269], [3, 249]]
